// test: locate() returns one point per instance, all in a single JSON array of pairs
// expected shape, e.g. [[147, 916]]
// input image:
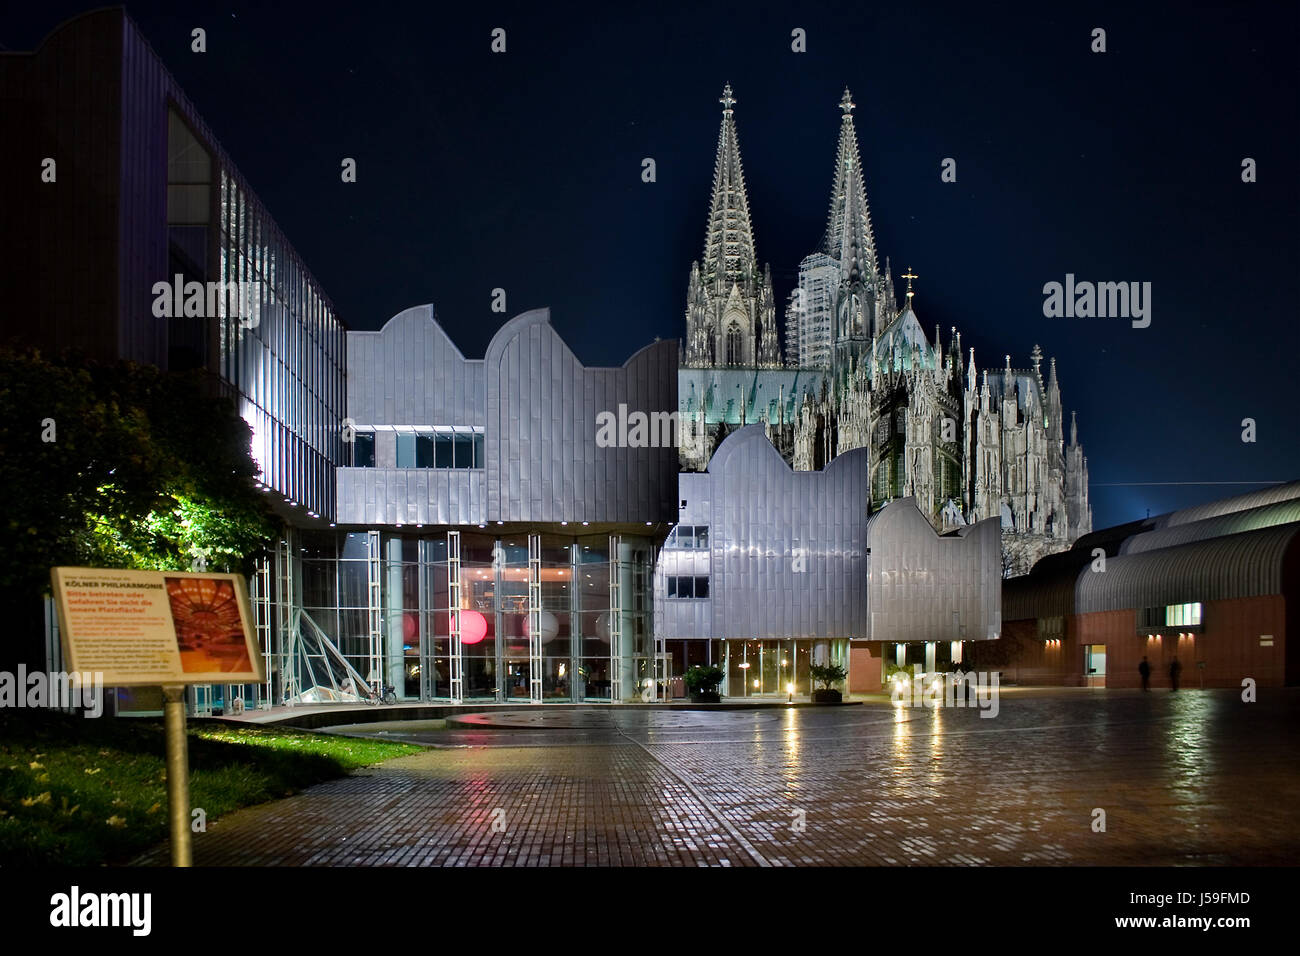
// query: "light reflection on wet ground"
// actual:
[[1189, 778]]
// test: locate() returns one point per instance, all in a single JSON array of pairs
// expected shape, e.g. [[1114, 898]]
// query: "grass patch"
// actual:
[[78, 792]]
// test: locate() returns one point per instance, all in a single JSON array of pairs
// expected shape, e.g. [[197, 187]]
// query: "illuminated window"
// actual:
[[1183, 615]]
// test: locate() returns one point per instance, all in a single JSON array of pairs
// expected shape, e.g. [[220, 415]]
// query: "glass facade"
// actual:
[[779, 668], [284, 354], [587, 598]]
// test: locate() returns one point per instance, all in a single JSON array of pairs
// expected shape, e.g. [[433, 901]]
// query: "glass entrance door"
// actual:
[[768, 668]]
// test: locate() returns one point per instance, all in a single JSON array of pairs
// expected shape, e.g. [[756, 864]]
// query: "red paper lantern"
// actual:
[[410, 627], [473, 627]]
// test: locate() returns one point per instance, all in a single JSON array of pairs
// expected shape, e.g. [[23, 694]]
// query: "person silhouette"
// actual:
[[1145, 670], [1175, 669]]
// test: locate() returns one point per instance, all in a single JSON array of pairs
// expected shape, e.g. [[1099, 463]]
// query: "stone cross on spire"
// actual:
[[847, 104]]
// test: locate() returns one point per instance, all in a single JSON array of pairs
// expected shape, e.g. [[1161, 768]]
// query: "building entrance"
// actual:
[[1094, 664], [768, 668]]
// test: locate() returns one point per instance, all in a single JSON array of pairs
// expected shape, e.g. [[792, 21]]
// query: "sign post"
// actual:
[[160, 628], [178, 775]]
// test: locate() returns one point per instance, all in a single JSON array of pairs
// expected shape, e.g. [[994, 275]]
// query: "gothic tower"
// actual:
[[730, 309], [858, 309]]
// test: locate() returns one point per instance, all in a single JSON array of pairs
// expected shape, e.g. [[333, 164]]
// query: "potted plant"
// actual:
[[702, 681], [827, 674]]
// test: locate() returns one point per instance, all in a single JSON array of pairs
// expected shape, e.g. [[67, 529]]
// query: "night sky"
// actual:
[[523, 171]]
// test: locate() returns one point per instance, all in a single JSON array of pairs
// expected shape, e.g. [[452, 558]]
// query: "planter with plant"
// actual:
[[702, 682], [826, 675]]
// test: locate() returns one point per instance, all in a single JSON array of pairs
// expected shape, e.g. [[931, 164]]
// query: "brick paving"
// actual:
[[1196, 777]]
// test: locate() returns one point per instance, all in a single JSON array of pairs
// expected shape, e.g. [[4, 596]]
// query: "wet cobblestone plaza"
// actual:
[[1194, 777]]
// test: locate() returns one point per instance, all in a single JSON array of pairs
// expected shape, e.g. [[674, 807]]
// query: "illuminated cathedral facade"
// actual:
[[859, 371]]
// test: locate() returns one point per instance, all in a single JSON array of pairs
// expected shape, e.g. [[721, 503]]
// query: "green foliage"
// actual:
[[703, 679], [891, 669], [144, 467], [78, 792], [827, 674]]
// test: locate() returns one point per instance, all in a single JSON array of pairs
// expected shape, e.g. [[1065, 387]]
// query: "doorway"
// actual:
[[768, 668], [1094, 665]]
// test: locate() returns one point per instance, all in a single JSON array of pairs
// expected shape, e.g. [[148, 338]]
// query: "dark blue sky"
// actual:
[[522, 171]]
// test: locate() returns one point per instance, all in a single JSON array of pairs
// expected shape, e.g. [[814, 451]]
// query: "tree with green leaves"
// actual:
[[119, 466]]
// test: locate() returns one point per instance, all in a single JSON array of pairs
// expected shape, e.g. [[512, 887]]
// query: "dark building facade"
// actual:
[[113, 187]]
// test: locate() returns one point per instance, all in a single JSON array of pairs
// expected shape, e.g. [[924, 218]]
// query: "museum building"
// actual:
[[460, 529]]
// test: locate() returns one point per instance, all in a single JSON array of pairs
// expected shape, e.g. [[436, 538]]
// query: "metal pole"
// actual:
[[178, 775]]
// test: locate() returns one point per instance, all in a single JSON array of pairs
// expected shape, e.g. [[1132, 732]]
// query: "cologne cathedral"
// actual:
[[859, 371]]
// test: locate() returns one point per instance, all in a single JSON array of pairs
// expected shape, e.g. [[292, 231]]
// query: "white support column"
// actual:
[[615, 623], [456, 669], [535, 618], [374, 604], [393, 648], [286, 603], [262, 616]]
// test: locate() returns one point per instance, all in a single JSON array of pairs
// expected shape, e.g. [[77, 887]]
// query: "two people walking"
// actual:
[[1175, 671]]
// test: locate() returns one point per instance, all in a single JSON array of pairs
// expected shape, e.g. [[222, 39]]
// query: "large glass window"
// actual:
[[406, 451], [424, 451], [462, 450], [445, 448], [363, 450], [1183, 615], [685, 586], [689, 536]]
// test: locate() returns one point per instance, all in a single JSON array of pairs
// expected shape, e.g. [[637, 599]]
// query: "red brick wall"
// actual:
[[864, 666], [1229, 645], [1023, 658]]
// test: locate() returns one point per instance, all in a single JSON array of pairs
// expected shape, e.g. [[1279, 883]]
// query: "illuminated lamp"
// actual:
[[549, 627], [473, 627]]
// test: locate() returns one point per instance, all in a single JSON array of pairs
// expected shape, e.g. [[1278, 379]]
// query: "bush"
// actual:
[[827, 674], [703, 679]]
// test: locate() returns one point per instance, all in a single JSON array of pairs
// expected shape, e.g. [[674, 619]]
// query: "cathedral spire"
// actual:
[[848, 229], [729, 242]]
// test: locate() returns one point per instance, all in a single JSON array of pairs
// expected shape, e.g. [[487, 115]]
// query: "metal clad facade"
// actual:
[[787, 550], [1251, 519], [537, 406], [1249, 564], [1224, 506], [927, 587]]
